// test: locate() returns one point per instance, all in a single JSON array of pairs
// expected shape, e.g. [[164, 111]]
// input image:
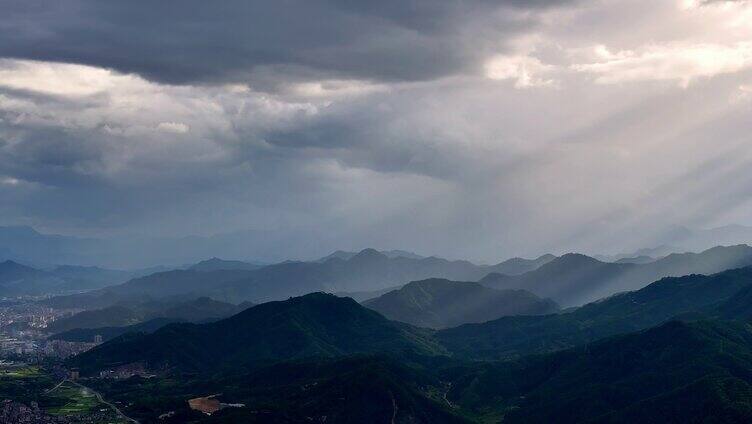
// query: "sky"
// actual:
[[468, 129]]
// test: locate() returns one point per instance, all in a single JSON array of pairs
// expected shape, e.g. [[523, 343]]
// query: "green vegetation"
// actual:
[[622, 359], [27, 384], [71, 399], [677, 372], [24, 383], [317, 324], [362, 389], [511, 337]]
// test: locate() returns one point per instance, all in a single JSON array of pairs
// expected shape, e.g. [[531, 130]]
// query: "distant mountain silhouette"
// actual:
[[649, 252], [721, 295], [25, 244], [11, 272], [439, 303], [574, 279], [677, 372], [516, 266], [344, 255], [636, 260], [17, 279], [317, 324], [369, 270], [216, 264]]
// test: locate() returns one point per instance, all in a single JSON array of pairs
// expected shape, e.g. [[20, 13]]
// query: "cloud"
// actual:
[[525, 71], [421, 125], [675, 62], [173, 127], [181, 42], [56, 79]]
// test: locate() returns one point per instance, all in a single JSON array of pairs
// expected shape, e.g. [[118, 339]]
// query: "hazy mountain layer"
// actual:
[[438, 303], [369, 270], [575, 279], [21, 280]]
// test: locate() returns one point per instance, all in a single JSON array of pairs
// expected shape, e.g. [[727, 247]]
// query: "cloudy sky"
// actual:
[[466, 128]]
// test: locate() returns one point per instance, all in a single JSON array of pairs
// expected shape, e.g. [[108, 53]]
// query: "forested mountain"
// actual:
[[438, 303], [358, 389], [317, 324], [677, 372], [590, 365], [621, 313]]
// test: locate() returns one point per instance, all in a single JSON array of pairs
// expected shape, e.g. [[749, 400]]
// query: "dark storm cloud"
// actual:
[[199, 41]]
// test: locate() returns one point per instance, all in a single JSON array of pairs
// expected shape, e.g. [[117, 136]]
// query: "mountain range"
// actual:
[[574, 279], [622, 359], [439, 303], [321, 324], [367, 271], [691, 296]]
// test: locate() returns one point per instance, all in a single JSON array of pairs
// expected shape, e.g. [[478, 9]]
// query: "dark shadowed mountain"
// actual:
[[111, 316], [622, 313], [127, 314], [216, 264], [359, 389], [109, 333], [317, 324], [201, 309], [677, 372], [369, 270], [574, 279], [439, 303]]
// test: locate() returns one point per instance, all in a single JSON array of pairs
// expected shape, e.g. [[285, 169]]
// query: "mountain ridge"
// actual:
[[441, 303]]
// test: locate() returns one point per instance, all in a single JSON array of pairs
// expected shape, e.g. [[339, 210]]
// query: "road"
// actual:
[[58, 385], [101, 399]]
